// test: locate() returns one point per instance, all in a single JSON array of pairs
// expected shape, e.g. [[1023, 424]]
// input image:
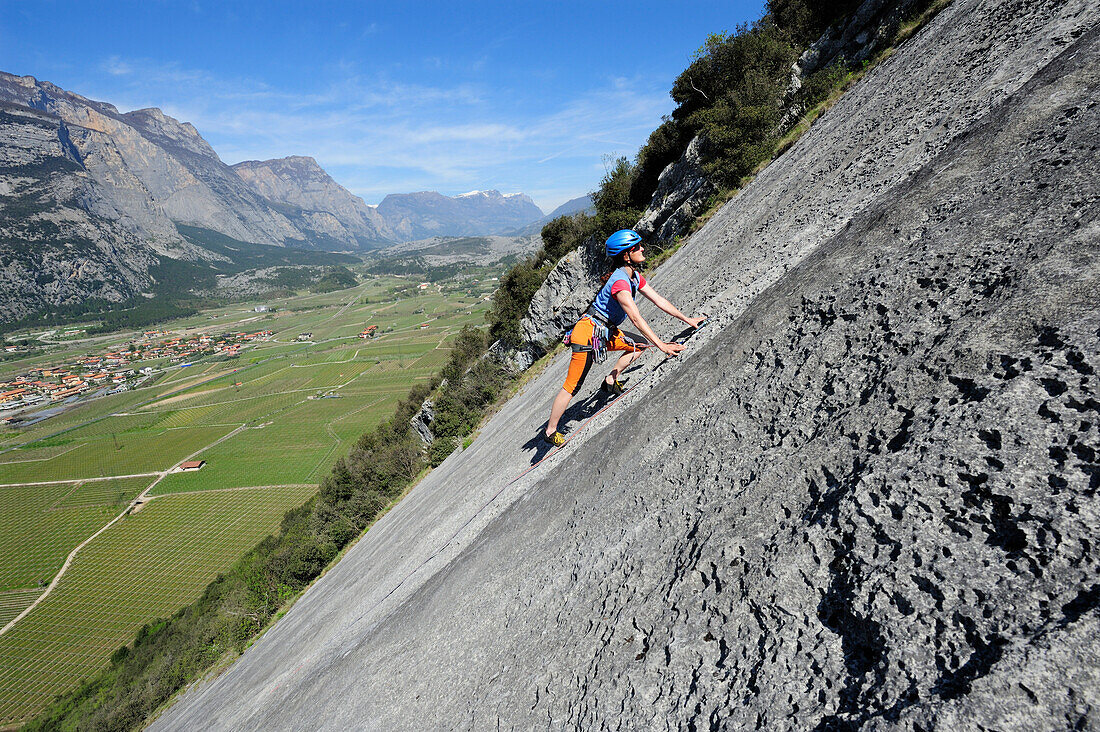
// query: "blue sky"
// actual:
[[388, 97]]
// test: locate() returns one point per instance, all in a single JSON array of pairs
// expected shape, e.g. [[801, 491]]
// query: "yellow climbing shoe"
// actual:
[[557, 439], [614, 389]]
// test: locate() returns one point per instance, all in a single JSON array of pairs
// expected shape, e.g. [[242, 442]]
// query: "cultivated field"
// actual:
[[14, 602], [140, 569], [269, 424], [41, 524], [100, 456]]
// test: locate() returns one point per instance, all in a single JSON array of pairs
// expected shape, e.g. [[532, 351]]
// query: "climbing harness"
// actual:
[[601, 334]]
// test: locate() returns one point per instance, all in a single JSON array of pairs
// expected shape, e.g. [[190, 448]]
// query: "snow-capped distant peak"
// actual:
[[480, 194], [491, 194]]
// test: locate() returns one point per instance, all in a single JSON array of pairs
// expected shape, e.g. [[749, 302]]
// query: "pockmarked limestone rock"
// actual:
[[851, 42], [865, 497]]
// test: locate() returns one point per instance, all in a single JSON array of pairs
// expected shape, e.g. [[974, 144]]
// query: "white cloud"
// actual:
[[116, 66], [379, 135]]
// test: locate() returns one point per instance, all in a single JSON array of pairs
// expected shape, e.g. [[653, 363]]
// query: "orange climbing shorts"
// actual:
[[582, 361]]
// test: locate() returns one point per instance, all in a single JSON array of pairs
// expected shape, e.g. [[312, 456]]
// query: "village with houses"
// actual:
[[113, 371]]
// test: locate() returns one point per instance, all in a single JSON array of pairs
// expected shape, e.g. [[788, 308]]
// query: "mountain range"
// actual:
[[101, 205], [421, 215], [303, 192]]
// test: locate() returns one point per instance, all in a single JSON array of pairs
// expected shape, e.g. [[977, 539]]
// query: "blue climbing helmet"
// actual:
[[621, 241]]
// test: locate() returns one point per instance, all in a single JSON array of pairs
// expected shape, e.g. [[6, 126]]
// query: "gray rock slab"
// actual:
[[866, 497]]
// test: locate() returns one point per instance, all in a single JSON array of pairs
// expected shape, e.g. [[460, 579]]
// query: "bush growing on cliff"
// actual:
[[612, 200], [731, 94], [562, 235], [803, 22], [665, 145], [469, 345], [512, 298], [461, 402]]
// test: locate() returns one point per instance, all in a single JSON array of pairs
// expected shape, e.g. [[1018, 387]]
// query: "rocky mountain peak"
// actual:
[[153, 112], [41, 94], [154, 122], [300, 166], [319, 204], [305, 161]]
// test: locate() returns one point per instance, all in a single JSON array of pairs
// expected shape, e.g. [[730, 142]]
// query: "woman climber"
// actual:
[[597, 331]]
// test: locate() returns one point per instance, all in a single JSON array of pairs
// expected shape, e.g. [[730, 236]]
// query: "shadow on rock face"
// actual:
[[576, 415]]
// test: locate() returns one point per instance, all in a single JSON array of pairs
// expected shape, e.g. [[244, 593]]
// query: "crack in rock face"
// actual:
[[867, 497]]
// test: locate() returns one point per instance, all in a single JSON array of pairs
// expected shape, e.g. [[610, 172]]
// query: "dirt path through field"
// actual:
[[228, 490], [182, 397], [81, 480], [142, 498]]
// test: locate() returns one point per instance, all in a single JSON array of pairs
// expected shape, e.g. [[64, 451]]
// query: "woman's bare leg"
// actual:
[[621, 364], [561, 401]]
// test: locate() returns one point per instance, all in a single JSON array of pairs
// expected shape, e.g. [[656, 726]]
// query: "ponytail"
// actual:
[[610, 265]]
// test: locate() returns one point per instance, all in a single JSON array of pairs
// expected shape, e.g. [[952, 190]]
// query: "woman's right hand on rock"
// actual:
[[670, 349]]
